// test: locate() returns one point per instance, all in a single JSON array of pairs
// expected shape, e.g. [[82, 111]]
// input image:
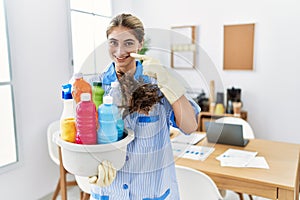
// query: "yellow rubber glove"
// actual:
[[106, 174], [167, 83]]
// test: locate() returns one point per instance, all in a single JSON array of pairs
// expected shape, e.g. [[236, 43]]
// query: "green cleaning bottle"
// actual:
[[97, 94]]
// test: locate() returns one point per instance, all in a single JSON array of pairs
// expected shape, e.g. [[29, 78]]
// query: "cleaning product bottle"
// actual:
[[80, 86], [86, 120], [107, 112], [97, 92], [97, 96], [67, 119], [116, 93]]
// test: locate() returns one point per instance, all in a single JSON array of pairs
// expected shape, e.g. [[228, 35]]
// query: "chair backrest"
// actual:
[[247, 130], [194, 185], [83, 183], [52, 146]]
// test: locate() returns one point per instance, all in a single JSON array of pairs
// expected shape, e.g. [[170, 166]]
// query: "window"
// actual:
[[8, 147], [89, 19]]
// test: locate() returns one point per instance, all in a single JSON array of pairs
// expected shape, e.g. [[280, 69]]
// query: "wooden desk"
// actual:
[[280, 182]]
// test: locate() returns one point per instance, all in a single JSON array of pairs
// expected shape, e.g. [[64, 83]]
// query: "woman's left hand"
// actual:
[[106, 174]]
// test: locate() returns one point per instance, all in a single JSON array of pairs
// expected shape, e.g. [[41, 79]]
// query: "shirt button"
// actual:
[[125, 186], [127, 158]]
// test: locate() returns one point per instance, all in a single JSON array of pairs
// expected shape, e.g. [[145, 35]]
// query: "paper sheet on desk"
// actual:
[[236, 158], [193, 138], [191, 151], [242, 158], [258, 162]]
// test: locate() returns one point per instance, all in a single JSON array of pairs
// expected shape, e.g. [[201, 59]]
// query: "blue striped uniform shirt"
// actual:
[[149, 170]]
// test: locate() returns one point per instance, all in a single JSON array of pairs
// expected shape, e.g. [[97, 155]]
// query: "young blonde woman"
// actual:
[[149, 170]]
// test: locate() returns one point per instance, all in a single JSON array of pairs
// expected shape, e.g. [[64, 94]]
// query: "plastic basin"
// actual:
[[83, 160]]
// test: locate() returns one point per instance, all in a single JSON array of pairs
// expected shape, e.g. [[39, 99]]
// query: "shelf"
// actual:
[[183, 47], [208, 116]]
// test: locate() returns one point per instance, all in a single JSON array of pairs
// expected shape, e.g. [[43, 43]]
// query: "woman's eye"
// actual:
[[128, 44], [113, 43]]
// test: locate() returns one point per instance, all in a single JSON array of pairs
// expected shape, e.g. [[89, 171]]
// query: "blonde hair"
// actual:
[[129, 21]]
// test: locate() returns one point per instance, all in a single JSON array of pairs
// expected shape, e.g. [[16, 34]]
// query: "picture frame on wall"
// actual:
[[238, 46], [183, 47]]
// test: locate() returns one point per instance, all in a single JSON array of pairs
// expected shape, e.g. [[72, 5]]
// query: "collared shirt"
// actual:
[[109, 75], [149, 170]]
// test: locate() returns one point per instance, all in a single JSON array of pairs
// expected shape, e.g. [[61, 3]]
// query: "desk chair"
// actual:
[[55, 154], [194, 185], [247, 130], [84, 185], [247, 133]]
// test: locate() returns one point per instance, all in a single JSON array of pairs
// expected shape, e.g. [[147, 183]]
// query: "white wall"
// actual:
[[39, 52], [270, 92], [39, 45]]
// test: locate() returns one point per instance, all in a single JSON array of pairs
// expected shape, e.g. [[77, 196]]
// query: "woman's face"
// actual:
[[121, 43]]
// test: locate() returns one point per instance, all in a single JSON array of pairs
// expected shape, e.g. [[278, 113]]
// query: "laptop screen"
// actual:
[[223, 133]]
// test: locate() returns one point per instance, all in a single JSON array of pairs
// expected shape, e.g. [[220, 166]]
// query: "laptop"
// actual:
[[223, 133]]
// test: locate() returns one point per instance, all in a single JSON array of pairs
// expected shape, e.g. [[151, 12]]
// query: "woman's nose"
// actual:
[[120, 51]]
